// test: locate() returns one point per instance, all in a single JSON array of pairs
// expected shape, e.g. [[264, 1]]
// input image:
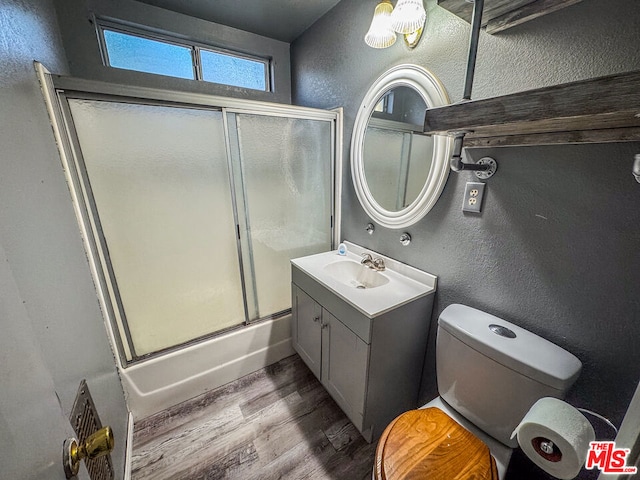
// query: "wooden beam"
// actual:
[[610, 135], [579, 123], [526, 13], [611, 102], [499, 15], [492, 8]]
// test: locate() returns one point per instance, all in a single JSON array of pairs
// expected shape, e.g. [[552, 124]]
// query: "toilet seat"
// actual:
[[428, 444]]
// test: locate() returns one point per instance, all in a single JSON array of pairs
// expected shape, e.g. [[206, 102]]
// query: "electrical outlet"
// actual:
[[473, 193]]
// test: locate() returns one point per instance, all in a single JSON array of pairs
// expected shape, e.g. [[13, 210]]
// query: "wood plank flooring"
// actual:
[[276, 423]]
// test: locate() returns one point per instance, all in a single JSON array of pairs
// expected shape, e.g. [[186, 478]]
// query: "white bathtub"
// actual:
[[162, 382]]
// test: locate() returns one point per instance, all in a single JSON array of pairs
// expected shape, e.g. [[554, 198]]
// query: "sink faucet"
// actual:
[[373, 263]]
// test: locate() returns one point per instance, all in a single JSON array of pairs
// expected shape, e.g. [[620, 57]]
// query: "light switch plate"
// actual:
[[473, 195]]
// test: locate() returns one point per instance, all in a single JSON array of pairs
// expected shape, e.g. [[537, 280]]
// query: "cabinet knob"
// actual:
[[316, 319], [324, 325]]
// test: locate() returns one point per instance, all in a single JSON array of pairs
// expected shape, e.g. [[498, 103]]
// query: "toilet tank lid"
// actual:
[[527, 353]]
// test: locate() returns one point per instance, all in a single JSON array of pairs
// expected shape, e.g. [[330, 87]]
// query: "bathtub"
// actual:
[[165, 381]]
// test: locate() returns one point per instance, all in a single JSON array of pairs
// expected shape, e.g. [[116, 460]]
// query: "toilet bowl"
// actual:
[[489, 373]]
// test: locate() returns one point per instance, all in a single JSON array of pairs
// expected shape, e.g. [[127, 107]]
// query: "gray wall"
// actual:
[[85, 61], [555, 249], [40, 235]]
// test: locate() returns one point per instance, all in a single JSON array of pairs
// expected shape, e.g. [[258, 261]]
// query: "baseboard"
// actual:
[[128, 455]]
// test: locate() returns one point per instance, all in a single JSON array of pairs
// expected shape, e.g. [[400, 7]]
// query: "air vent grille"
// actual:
[[85, 421]]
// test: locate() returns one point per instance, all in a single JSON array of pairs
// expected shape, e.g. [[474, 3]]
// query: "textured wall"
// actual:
[[555, 249], [85, 61], [41, 239]]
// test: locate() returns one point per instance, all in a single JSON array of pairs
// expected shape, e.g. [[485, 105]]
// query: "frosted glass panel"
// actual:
[[286, 167], [383, 151], [420, 160], [160, 180], [231, 70], [397, 165]]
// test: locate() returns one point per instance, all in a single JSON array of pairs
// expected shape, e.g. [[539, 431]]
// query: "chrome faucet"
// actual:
[[373, 263]]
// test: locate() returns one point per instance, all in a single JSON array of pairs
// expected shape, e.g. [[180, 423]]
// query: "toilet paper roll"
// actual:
[[555, 436]]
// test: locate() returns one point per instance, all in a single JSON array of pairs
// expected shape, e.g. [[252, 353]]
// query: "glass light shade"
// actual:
[[408, 16], [380, 34]]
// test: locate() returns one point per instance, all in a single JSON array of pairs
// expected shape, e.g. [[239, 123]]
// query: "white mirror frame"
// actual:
[[434, 95]]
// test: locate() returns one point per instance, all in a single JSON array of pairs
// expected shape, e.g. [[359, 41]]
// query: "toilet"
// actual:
[[489, 373]]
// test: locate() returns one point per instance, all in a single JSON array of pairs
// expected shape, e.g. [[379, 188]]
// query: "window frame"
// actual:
[[195, 47]]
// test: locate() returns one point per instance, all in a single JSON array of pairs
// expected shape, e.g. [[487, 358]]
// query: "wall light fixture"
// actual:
[[380, 34], [407, 18]]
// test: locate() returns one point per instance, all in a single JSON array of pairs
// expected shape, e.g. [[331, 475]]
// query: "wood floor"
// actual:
[[277, 423]]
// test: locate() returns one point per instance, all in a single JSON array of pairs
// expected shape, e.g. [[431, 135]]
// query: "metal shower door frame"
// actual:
[[62, 88]]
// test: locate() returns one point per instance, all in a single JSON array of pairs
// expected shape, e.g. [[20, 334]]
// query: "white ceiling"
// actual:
[[280, 19]]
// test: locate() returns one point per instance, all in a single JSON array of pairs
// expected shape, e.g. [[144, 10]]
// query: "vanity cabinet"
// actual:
[[307, 329], [335, 355], [344, 367], [371, 366]]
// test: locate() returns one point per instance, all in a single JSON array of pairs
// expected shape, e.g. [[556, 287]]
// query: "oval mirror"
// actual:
[[398, 172]]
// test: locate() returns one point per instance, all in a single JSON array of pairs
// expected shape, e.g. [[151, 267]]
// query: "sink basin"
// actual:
[[371, 292], [355, 275]]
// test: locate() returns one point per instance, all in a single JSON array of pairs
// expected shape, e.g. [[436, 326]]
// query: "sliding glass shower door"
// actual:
[[160, 181], [283, 170], [196, 210]]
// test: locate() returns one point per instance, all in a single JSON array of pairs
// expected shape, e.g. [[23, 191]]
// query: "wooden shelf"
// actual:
[[600, 110], [499, 15]]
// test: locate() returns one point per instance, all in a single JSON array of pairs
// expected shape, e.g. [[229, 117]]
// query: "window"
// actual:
[[222, 68], [145, 55], [136, 50]]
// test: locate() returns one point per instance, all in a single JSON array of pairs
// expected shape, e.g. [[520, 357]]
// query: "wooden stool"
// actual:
[[428, 444]]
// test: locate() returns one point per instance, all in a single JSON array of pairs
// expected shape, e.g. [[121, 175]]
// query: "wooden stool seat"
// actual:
[[428, 444]]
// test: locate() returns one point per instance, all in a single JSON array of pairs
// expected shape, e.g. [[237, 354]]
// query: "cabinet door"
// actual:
[[306, 332], [345, 359]]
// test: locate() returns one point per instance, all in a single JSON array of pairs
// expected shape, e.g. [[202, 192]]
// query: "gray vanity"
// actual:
[[362, 332]]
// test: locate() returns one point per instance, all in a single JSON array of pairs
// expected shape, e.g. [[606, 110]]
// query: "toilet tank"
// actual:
[[492, 371]]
